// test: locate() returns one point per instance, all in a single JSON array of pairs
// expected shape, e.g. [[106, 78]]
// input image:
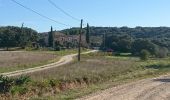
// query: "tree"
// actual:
[[41, 42], [124, 45], [23, 40], [57, 46], [162, 52], [144, 55], [8, 39], [88, 34], [140, 44], [118, 43], [11, 36], [149, 38], [50, 38]]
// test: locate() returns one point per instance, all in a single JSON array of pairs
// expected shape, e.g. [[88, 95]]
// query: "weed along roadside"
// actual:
[[76, 79]]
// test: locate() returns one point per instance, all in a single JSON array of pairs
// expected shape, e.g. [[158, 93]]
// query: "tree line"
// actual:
[[155, 40], [11, 36]]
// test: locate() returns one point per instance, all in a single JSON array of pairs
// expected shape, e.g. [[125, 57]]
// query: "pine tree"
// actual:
[[88, 34], [50, 38]]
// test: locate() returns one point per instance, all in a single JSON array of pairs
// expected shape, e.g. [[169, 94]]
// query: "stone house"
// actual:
[[69, 40]]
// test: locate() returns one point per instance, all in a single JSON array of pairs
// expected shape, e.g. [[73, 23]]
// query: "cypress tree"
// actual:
[[50, 38], [88, 34]]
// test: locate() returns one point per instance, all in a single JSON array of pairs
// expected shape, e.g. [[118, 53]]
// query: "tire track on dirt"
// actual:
[[146, 89], [64, 60]]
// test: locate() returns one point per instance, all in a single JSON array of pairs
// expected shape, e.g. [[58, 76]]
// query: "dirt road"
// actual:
[[64, 60], [147, 89]]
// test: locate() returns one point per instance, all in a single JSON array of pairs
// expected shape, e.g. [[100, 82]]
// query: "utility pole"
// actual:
[[22, 25], [79, 48]]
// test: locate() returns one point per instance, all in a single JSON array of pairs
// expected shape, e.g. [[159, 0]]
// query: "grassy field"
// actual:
[[95, 72], [64, 52], [91, 66], [17, 60]]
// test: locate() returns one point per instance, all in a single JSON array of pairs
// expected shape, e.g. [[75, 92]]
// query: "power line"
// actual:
[[39, 13], [63, 11]]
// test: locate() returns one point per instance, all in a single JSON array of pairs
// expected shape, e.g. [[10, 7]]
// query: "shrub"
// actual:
[[22, 80], [17, 89], [5, 84], [58, 48], [144, 55], [52, 83], [9, 84], [162, 52]]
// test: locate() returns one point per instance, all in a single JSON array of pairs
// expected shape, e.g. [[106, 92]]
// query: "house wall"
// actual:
[[62, 38]]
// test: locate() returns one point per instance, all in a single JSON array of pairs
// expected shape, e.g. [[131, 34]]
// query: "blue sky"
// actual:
[[131, 13]]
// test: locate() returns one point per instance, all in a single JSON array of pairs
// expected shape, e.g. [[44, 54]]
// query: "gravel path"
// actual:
[[147, 89], [64, 60]]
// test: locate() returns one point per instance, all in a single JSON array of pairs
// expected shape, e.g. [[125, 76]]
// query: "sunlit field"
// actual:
[[95, 72], [17, 60]]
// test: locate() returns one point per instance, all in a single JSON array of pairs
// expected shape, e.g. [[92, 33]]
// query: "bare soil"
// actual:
[[147, 89]]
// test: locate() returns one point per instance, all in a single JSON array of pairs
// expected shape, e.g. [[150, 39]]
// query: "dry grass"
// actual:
[[14, 60], [18, 60], [94, 72], [91, 67]]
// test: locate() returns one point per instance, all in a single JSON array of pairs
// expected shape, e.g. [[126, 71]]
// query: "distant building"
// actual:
[[64, 39]]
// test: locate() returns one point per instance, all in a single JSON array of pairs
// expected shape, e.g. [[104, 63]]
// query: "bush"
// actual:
[[22, 80], [52, 83], [144, 55], [58, 48], [5, 84], [17, 89], [162, 52]]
